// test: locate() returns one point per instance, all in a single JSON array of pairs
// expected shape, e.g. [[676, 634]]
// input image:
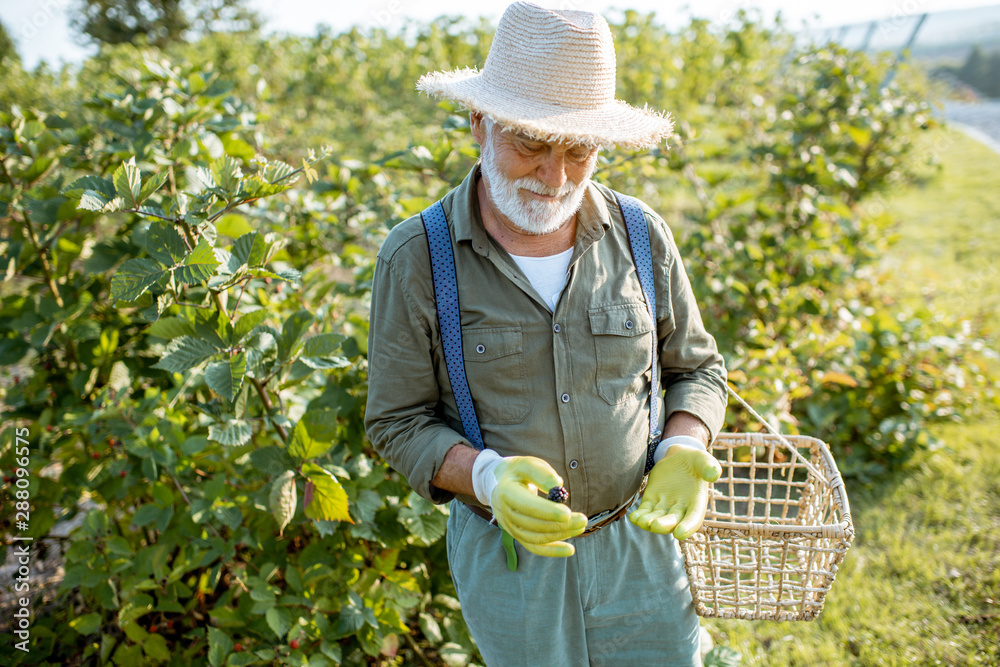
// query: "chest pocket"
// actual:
[[623, 340], [494, 362]]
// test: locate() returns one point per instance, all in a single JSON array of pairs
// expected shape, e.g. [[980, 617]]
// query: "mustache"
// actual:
[[534, 185]]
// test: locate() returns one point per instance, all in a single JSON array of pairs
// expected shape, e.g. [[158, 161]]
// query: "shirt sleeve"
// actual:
[[401, 418], [692, 372]]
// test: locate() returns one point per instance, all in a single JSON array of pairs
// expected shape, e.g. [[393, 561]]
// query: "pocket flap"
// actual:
[[488, 344], [625, 319]]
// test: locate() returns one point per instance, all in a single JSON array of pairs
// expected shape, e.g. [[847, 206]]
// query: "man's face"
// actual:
[[538, 186]]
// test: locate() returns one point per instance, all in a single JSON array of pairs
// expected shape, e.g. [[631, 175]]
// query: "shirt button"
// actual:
[[565, 398], [480, 348], [628, 324], [556, 327], [573, 464]]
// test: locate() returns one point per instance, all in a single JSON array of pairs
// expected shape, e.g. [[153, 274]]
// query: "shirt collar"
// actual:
[[592, 219]]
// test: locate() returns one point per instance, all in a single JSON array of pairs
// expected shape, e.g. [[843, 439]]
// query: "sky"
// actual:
[[40, 28]]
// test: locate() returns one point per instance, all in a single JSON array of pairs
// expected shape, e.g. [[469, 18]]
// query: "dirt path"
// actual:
[[981, 121]]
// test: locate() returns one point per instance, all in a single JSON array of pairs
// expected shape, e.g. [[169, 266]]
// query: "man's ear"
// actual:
[[476, 122]]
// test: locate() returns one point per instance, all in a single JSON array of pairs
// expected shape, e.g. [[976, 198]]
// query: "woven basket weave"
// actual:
[[777, 528]]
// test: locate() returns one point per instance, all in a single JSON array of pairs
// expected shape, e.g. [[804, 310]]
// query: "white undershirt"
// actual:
[[546, 274]]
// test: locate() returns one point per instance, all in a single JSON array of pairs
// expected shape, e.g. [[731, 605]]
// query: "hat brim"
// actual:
[[613, 124]]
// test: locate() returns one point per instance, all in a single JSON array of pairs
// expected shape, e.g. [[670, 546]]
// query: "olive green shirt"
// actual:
[[570, 386]]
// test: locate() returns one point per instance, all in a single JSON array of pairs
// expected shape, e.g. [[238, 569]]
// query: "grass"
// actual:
[[921, 585], [948, 251]]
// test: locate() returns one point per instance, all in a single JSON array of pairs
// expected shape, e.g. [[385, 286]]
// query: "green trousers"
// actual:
[[622, 600]]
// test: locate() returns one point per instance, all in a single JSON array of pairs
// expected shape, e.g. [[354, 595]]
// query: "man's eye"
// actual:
[[579, 156], [530, 148]]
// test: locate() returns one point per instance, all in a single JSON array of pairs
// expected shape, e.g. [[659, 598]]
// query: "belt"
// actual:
[[596, 522]]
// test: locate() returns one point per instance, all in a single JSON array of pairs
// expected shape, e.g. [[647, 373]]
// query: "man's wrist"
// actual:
[[667, 443], [483, 479]]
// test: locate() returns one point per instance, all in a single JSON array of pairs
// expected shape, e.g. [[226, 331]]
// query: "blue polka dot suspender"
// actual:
[[449, 314], [642, 257], [449, 317]]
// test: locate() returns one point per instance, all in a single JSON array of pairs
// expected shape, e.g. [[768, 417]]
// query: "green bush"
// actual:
[[198, 399]]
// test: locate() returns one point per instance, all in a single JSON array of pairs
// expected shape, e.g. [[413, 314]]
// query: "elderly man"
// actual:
[[541, 362]]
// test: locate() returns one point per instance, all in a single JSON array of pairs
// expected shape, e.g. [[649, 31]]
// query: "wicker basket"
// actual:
[[777, 528]]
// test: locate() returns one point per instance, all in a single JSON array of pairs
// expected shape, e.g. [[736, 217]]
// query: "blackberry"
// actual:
[[558, 494]]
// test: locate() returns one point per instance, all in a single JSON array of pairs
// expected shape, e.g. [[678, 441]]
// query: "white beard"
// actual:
[[531, 215]]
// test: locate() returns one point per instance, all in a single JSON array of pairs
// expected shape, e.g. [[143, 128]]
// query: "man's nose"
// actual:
[[552, 171]]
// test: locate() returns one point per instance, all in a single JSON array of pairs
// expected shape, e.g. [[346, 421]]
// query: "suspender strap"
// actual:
[[450, 323], [449, 317], [642, 257]]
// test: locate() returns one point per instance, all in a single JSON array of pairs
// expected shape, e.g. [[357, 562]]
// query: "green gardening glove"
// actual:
[[536, 522], [676, 495]]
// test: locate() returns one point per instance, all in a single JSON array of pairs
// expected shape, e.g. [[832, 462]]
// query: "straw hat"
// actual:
[[551, 75]]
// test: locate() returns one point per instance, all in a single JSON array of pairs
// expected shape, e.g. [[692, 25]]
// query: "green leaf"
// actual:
[[83, 330], [185, 353], [12, 350], [428, 527], [119, 379], [424, 519], [325, 363], [101, 187], [128, 183], [271, 460], [352, 618], [291, 333], [146, 515], [323, 345], [314, 434], [169, 328], [256, 187], [95, 201], [332, 650], [227, 174], [289, 275], [152, 184], [218, 88], [198, 265], [134, 277], [244, 659], [329, 500], [279, 620], [165, 244], [119, 545], [219, 646], [283, 499], [155, 647], [230, 515], [414, 158], [277, 171], [87, 624], [371, 641], [429, 626], [246, 323], [232, 432], [196, 83], [226, 377], [194, 444], [214, 327], [135, 607], [233, 225], [250, 250], [723, 656]]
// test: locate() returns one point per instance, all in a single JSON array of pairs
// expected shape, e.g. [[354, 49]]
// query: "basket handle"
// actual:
[[791, 448]]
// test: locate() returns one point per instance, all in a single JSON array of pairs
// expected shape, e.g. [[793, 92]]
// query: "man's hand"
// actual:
[[535, 521], [676, 495]]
